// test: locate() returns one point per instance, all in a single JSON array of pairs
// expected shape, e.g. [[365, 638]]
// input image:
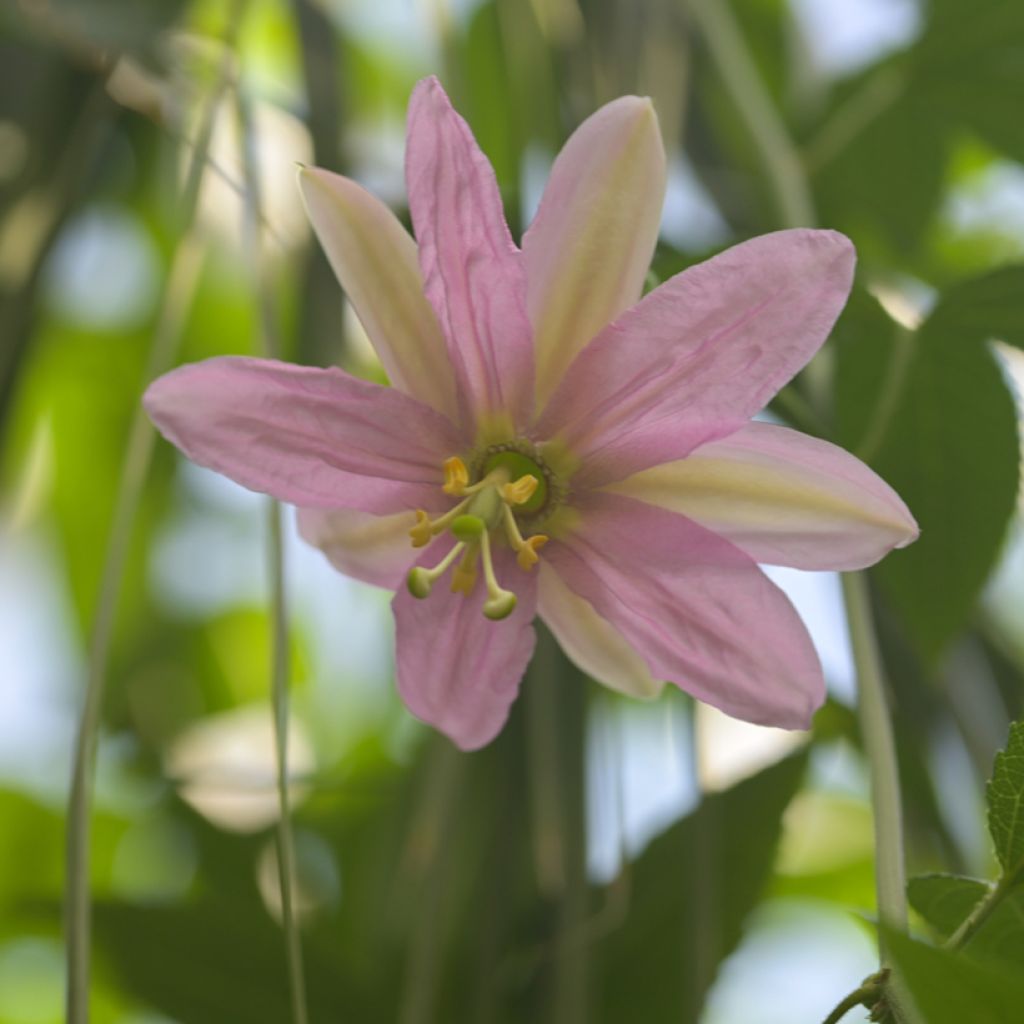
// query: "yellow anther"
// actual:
[[520, 491], [456, 476], [464, 574], [423, 531], [526, 550], [526, 556]]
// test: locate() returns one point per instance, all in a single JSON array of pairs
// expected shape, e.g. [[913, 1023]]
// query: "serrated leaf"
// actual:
[[952, 989], [945, 901], [690, 893], [1005, 798]]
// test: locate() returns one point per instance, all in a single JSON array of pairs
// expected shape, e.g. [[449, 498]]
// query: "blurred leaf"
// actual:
[[945, 901], [691, 891], [864, 340], [1005, 798], [888, 181], [952, 989], [950, 449], [968, 65]]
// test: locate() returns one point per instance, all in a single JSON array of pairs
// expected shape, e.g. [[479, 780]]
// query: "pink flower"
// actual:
[[553, 444]]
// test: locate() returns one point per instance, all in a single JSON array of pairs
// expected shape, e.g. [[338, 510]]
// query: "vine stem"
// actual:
[[177, 300], [279, 690], [788, 179], [881, 751], [979, 915], [868, 994], [740, 77]]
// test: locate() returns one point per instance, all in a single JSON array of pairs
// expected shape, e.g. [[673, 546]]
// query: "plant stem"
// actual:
[[286, 863], [868, 994], [788, 179], [740, 77], [880, 747], [181, 282]]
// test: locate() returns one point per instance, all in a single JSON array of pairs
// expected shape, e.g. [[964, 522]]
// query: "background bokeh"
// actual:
[[603, 861]]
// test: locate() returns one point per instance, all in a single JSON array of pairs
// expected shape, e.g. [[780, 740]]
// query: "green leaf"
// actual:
[[1005, 798], [950, 450], [945, 901], [690, 893], [951, 989]]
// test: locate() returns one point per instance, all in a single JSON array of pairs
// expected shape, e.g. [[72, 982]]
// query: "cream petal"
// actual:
[[376, 263], [782, 497], [590, 244], [374, 549], [592, 642]]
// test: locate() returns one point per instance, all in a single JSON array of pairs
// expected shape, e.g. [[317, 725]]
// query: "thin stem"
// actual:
[[880, 747], [740, 77], [177, 300], [279, 695], [279, 699], [867, 995], [78, 912]]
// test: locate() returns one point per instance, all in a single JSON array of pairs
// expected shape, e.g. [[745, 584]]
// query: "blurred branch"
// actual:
[[178, 293], [740, 77]]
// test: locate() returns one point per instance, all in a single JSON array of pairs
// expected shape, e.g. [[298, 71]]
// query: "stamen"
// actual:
[[500, 603], [426, 528], [464, 574], [526, 550], [456, 476], [521, 491], [420, 580]]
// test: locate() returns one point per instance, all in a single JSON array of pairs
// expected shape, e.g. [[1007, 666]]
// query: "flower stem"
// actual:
[[181, 282]]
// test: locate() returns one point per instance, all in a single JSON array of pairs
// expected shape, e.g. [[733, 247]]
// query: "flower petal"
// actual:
[[306, 435], [472, 271], [457, 670], [375, 261], [593, 643], [695, 359], [697, 609], [374, 549], [589, 247], [783, 497]]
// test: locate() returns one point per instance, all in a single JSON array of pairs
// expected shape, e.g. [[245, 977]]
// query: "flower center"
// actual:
[[509, 486]]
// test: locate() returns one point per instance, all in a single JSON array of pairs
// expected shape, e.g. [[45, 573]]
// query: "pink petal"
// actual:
[[457, 670], [472, 271], [589, 247], [374, 549], [783, 497], [696, 608], [375, 261], [695, 359], [592, 642], [306, 435]]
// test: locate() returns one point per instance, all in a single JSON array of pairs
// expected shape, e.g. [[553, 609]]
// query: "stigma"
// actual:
[[485, 516]]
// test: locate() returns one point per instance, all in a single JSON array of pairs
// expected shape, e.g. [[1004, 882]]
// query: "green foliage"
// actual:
[[1005, 798], [948, 434], [950, 989], [690, 893]]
